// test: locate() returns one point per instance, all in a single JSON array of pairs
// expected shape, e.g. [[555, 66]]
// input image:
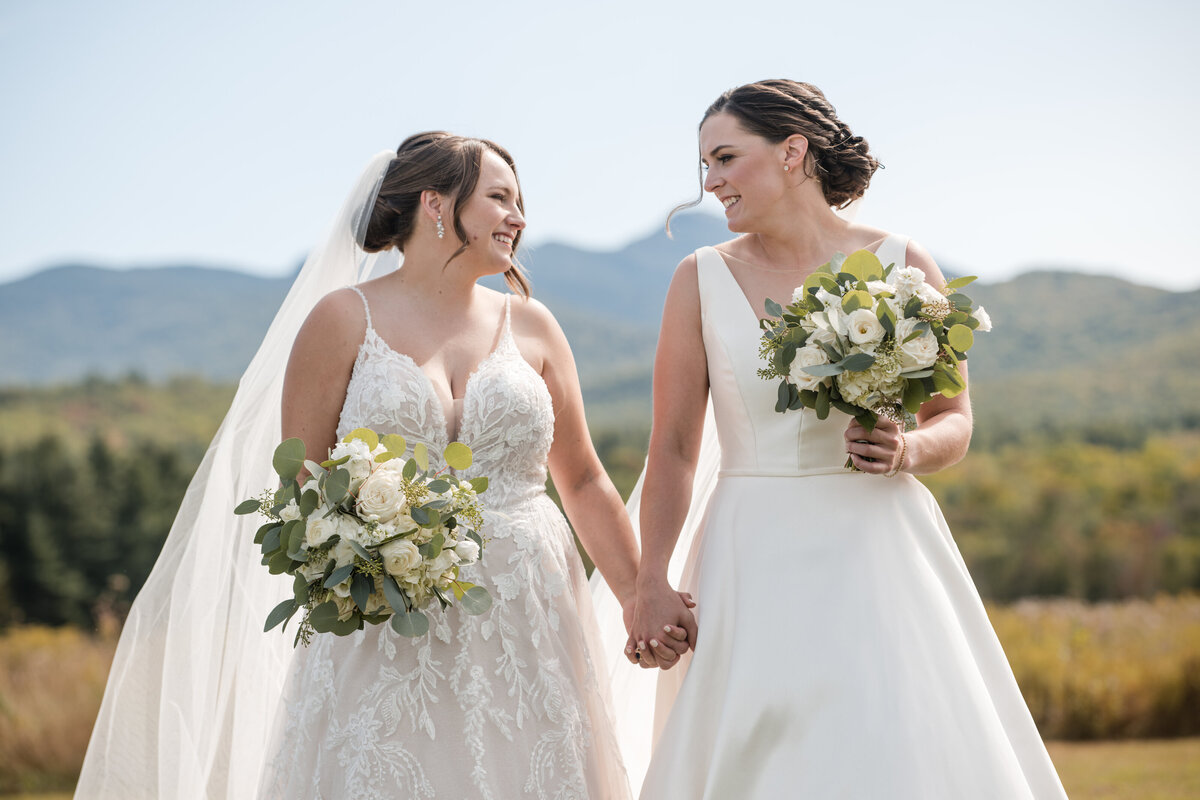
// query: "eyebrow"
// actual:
[[717, 149]]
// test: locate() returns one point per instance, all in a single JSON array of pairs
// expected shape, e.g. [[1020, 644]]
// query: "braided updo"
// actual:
[[444, 163]]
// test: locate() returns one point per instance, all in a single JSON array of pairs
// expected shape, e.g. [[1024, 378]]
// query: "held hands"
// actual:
[[661, 624], [881, 452]]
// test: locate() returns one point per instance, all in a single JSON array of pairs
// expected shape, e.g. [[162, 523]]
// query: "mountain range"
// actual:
[[1067, 345]]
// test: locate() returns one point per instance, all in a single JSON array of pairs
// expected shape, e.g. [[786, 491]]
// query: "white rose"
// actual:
[[807, 356], [864, 327], [468, 551], [319, 530], [918, 353], [985, 321], [290, 512], [399, 556], [381, 497], [446, 559]]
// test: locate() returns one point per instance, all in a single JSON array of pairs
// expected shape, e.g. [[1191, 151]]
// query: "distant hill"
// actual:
[[1068, 348]]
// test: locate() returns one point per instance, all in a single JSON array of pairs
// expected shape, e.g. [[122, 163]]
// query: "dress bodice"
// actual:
[[755, 439], [507, 416]]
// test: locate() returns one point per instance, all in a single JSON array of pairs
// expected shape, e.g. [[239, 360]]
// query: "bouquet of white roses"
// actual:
[[869, 340], [371, 536]]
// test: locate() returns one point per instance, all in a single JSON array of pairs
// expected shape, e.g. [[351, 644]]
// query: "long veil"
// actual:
[[194, 685]]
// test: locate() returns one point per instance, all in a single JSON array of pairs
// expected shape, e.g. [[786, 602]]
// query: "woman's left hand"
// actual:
[[877, 452]]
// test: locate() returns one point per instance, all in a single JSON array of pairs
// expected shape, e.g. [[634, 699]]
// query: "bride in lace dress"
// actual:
[[508, 704]]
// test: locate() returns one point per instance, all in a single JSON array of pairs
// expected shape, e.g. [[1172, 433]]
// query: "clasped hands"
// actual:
[[661, 625]]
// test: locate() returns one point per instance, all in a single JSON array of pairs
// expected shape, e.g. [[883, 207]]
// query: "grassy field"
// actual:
[[1100, 671], [1146, 770]]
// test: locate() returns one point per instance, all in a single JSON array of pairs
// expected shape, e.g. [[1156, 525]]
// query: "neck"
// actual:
[[427, 275], [801, 231]]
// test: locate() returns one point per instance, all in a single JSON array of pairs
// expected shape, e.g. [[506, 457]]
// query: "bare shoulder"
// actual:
[[531, 317], [337, 319], [917, 256]]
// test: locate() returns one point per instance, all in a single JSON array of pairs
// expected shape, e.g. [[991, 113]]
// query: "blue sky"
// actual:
[[1019, 135]]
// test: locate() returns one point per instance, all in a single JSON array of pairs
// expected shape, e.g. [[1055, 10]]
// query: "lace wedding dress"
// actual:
[[843, 651], [504, 705]]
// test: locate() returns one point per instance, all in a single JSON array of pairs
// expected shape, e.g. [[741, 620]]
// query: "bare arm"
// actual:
[[944, 432], [680, 397], [318, 371], [591, 501]]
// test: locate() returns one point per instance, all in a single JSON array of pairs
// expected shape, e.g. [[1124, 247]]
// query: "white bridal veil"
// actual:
[[192, 694]]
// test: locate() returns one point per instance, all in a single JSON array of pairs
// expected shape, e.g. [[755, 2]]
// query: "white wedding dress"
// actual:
[[509, 704], [843, 649]]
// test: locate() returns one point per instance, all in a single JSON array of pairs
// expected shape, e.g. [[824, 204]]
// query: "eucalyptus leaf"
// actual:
[[822, 405], [857, 362], [334, 462], [360, 590], [856, 299], [393, 594], [913, 307], [263, 530], [920, 373], [421, 456], [458, 456], [959, 283], [915, 395], [279, 563], [433, 548], [476, 600], [960, 338], [337, 486], [280, 613], [324, 616], [345, 627], [479, 484], [783, 397], [438, 486], [288, 459], [824, 370], [419, 515], [863, 265], [834, 265], [773, 309], [366, 435], [247, 507], [300, 589], [271, 540], [410, 469], [360, 551], [338, 575], [961, 301], [314, 469], [410, 623], [395, 443], [309, 502]]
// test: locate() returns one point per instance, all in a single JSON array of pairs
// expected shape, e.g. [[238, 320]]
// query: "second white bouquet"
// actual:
[[371, 536]]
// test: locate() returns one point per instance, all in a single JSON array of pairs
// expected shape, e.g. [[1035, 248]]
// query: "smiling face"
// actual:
[[491, 217], [744, 171]]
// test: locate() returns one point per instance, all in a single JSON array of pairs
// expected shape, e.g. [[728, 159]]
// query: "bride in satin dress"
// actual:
[[842, 649]]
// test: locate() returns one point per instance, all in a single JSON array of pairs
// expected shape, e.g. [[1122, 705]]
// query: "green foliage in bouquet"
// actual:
[[371, 535], [870, 340]]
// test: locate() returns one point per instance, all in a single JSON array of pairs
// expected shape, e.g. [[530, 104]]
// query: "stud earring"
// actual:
[[787, 168], [441, 228]]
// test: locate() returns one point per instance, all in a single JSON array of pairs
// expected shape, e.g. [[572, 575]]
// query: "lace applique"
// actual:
[[496, 706]]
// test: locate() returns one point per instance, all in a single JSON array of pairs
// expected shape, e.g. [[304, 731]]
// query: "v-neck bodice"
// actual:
[[506, 418]]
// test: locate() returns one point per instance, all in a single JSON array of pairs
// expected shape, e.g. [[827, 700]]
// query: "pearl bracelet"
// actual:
[[899, 464]]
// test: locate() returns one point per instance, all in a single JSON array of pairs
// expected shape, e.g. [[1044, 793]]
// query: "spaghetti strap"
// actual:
[[366, 308], [507, 316]]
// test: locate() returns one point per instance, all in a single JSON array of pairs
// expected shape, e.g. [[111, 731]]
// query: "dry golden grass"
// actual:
[[1137, 770], [1128, 670], [51, 682]]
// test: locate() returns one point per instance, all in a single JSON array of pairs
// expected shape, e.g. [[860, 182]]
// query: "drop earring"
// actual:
[[441, 228]]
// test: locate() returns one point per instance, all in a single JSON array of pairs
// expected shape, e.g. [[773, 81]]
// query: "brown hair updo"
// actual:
[[777, 109], [444, 163]]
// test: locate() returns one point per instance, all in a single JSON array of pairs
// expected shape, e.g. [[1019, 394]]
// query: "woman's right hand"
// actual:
[[663, 627]]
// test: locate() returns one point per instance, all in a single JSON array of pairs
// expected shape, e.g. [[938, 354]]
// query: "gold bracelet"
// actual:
[[900, 464]]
